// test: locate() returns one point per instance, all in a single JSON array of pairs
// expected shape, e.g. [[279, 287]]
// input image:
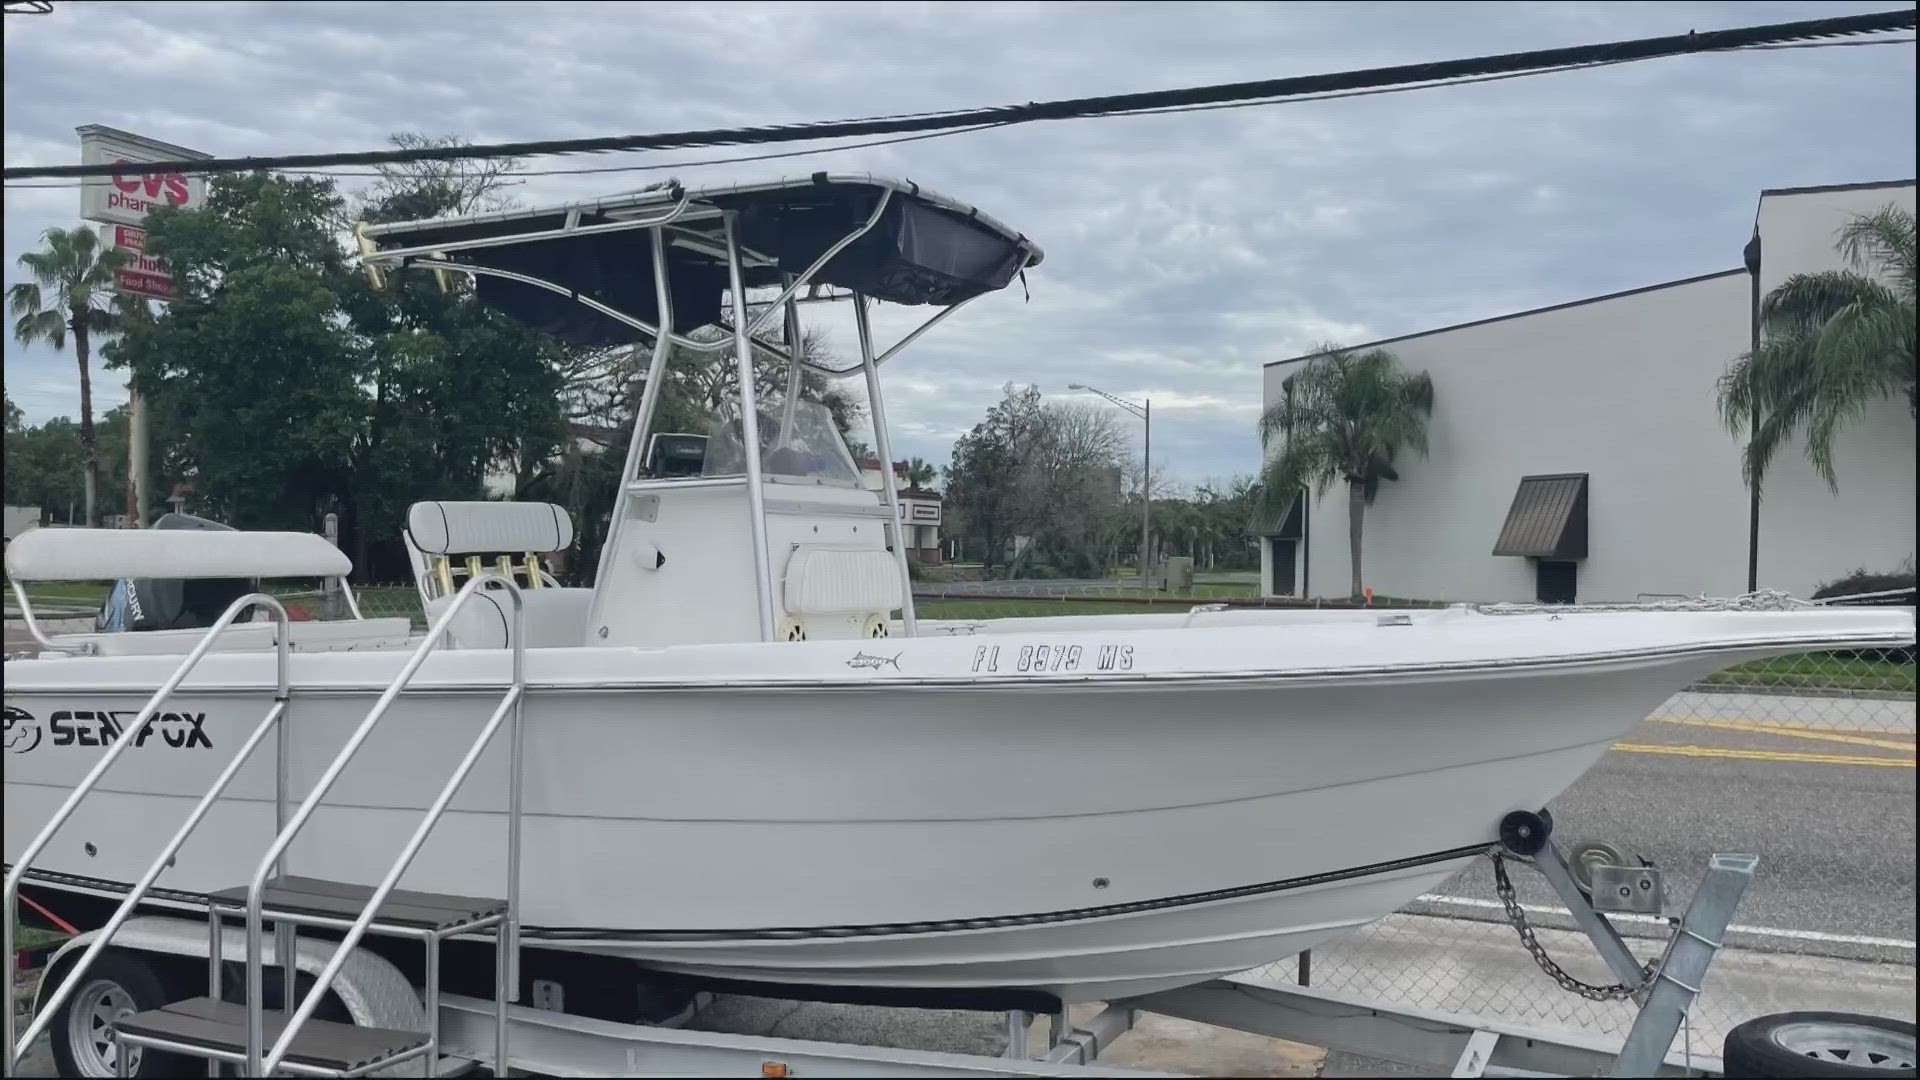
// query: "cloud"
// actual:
[[1183, 250]]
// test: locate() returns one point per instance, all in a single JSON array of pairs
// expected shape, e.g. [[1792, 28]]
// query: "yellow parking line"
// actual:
[[1789, 732], [1762, 755]]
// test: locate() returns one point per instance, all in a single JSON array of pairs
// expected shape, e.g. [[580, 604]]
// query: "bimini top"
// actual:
[[897, 242]]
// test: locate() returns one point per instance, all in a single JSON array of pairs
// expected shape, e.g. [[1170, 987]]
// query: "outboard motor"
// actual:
[[171, 603]]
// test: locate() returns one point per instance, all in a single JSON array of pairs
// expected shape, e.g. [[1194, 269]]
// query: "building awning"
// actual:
[[1548, 518], [1281, 523]]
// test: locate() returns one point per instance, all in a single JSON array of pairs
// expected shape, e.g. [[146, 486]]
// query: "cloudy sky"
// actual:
[[1182, 251]]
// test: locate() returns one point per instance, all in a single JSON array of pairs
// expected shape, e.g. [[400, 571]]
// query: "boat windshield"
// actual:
[[809, 450]]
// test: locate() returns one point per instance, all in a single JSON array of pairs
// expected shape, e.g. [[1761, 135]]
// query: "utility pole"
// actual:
[[1145, 412], [137, 491]]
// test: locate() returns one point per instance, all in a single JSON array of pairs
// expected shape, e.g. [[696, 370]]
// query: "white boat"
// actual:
[[738, 766]]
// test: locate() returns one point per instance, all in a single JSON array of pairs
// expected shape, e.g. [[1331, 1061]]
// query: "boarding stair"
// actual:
[[246, 1034]]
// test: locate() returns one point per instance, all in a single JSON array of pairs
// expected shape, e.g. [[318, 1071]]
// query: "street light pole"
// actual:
[[1146, 492], [1145, 412]]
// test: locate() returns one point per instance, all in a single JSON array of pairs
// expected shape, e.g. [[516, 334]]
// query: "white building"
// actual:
[[920, 510], [1577, 450]]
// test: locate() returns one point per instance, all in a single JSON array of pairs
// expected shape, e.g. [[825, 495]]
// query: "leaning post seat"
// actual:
[[452, 539]]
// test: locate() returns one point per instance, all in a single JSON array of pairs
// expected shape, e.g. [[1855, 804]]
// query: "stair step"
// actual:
[[203, 1023], [403, 908]]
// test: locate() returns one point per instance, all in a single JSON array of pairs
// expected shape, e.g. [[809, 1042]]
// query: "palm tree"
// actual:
[[1344, 416], [1833, 343], [72, 289], [920, 473]]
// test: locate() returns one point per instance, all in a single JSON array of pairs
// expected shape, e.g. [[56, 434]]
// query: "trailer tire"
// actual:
[[1836, 1044], [117, 983]]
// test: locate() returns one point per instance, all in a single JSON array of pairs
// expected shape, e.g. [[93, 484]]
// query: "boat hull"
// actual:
[[1082, 839]]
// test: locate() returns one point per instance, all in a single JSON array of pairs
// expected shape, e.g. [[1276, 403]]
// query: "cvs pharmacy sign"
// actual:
[[144, 192], [134, 189]]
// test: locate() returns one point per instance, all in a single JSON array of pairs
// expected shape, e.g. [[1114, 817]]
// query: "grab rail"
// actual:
[[127, 737], [262, 1061]]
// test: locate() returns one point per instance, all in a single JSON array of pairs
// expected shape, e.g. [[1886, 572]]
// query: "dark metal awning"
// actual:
[[1548, 518], [1279, 522]]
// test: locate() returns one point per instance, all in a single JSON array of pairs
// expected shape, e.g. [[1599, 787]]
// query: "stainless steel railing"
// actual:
[[128, 737], [262, 1060]]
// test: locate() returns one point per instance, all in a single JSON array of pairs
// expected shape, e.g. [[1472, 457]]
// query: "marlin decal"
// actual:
[[863, 660]]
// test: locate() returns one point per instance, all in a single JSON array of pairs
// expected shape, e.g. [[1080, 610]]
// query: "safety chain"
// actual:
[[1614, 992], [1762, 600]]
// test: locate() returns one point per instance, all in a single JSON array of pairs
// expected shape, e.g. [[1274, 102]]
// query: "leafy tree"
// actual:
[[422, 189], [981, 493], [1209, 525], [1048, 472], [1070, 507], [1833, 343], [253, 366], [293, 387], [44, 463], [1345, 416], [72, 289]]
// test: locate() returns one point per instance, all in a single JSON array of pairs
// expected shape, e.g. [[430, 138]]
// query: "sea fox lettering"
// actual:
[[84, 727]]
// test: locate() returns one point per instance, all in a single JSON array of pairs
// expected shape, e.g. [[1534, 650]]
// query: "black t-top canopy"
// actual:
[[924, 248]]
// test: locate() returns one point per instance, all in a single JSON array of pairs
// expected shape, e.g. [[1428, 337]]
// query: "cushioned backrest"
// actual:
[[105, 554], [835, 581], [475, 528]]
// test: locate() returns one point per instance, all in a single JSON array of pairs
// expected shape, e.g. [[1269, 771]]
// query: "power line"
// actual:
[[1268, 89], [343, 174], [671, 165]]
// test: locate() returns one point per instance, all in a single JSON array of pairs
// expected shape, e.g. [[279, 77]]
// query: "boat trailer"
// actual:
[[546, 1040]]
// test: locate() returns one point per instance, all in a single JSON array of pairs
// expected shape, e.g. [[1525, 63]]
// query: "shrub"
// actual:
[[1864, 581]]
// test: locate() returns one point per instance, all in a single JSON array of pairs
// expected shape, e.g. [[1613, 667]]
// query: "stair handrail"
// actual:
[[127, 737], [261, 1060]]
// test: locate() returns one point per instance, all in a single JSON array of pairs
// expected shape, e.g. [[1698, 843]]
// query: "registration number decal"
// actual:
[[1052, 659]]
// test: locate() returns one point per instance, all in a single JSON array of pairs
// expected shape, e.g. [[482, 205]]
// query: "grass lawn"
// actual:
[[87, 594], [1820, 671]]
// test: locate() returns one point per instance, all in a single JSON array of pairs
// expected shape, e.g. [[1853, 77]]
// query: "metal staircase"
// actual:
[[244, 1034], [16, 1049]]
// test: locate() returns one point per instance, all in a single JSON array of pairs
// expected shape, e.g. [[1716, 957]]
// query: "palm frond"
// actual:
[[72, 273], [1344, 416], [46, 325], [1806, 301], [43, 265], [24, 298], [1882, 242]]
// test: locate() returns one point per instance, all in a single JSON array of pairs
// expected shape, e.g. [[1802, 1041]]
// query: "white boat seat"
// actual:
[[479, 528], [333, 636], [514, 535], [555, 618]]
